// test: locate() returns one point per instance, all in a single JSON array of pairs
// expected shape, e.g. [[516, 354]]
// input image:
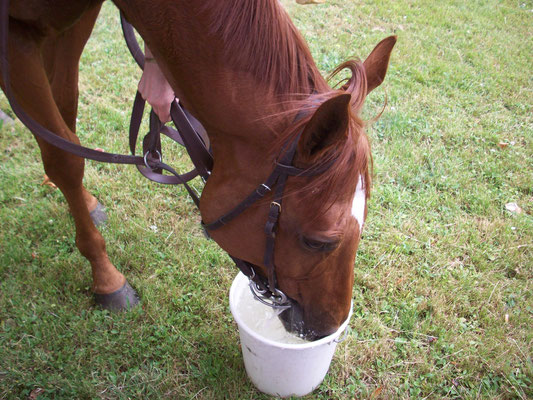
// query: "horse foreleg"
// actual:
[[61, 55], [32, 89]]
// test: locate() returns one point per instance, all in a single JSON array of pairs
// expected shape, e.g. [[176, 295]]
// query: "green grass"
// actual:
[[443, 303]]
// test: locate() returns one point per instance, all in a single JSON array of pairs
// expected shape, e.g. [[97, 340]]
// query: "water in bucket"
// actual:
[[264, 320]]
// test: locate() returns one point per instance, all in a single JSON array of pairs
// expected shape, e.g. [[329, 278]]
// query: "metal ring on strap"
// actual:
[[146, 162]]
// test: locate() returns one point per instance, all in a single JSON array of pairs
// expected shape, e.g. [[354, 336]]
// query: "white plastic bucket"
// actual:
[[282, 369]]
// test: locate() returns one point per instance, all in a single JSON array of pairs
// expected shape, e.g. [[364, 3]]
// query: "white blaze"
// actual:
[[359, 203]]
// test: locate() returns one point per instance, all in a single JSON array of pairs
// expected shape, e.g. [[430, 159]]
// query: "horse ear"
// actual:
[[325, 129], [377, 63]]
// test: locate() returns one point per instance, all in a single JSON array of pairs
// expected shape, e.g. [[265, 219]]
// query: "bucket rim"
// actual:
[[239, 279]]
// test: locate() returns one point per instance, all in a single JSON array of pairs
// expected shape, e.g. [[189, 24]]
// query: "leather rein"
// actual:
[[190, 133]]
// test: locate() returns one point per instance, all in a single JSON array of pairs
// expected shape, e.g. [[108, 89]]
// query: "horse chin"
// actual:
[[293, 322]]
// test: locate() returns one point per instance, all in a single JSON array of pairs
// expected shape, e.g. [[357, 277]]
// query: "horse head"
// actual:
[[322, 215]]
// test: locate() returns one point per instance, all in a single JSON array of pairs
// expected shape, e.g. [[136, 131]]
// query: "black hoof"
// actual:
[[123, 299], [99, 215]]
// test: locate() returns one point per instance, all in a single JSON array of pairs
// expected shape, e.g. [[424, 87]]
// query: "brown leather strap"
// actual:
[[190, 132], [131, 41], [145, 168], [257, 194], [35, 127], [277, 178], [200, 156]]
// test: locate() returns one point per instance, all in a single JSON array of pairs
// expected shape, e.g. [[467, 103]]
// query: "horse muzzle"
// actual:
[[294, 321]]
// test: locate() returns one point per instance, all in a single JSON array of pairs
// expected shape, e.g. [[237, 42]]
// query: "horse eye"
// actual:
[[317, 245]]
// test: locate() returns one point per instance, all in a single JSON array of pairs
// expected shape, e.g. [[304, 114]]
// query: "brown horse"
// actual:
[[244, 71]]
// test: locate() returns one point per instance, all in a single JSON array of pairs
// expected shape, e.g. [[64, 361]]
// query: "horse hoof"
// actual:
[[123, 299], [99, 215]]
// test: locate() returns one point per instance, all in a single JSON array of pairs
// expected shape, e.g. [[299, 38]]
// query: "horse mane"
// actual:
[[260, 38]]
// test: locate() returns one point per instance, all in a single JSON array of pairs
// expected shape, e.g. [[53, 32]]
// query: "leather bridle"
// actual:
[[191, 134], [265, 290]]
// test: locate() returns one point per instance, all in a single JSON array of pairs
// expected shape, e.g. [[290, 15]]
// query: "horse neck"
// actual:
[[233, 104]]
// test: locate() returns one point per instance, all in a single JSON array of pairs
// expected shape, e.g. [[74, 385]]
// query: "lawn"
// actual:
[[443, 304]]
